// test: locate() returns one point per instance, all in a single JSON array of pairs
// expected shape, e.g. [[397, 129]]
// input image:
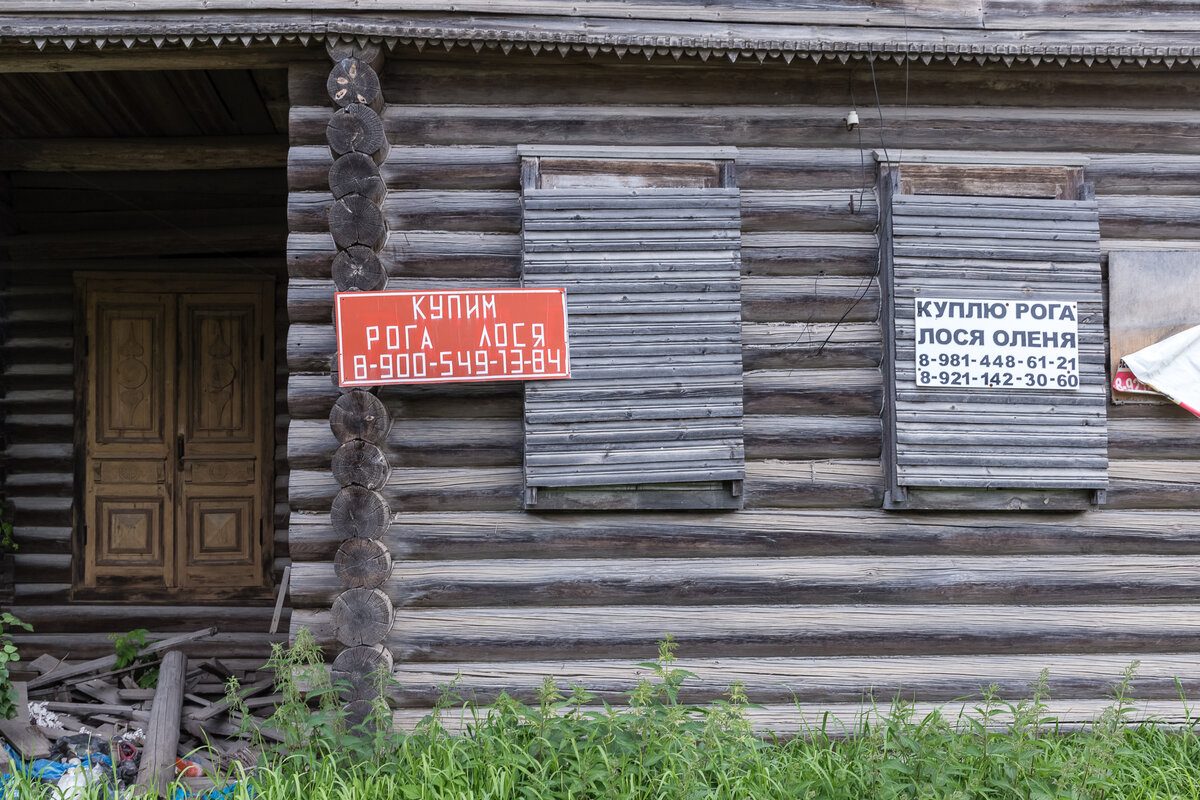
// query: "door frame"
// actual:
[[147, 282]]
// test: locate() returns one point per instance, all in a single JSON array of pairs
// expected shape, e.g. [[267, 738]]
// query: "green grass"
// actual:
[[568, 746]]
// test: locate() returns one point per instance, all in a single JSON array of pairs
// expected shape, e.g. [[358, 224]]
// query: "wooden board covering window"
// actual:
[[1045, 446], [647, 246]]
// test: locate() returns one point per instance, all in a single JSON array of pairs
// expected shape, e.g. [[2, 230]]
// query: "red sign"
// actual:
[[1125, 381], [445, 336]]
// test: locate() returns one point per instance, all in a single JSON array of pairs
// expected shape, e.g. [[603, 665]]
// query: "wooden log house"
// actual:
[[752, 206]]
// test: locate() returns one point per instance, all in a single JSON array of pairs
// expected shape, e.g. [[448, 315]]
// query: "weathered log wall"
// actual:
[[812, 578]]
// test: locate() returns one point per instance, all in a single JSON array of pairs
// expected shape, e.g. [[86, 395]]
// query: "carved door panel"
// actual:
[[219, 445], [179, 397], [130, 426]]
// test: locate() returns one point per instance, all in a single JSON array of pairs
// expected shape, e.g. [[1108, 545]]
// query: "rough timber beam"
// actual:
[[22, 58], [150, 154]]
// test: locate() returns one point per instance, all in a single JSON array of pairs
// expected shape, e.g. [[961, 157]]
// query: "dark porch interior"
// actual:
[[167, 171]]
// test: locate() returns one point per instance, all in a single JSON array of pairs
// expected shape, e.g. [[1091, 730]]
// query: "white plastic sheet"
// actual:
[[1171, 367]]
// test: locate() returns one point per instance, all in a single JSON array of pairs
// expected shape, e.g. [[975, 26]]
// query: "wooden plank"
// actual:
[[104, 664], [157, 768], [23, 735], [281, 595]]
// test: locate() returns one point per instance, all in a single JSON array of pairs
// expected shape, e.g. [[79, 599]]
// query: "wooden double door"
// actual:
[[178, 403]]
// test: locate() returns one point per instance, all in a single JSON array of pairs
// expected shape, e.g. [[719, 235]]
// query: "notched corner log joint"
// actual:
[[352, 81]]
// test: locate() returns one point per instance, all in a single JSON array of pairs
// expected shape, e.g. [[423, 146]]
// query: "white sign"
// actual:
[[997, 344]]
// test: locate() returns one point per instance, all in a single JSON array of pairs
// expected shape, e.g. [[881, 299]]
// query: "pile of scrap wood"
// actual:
[[93, 716]]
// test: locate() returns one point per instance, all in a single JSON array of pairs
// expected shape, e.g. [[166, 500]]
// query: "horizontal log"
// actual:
[[312, 300], [34, 568], [496, 212], [44, 539], [813, 484], [848, 392], [142, 154], [1153, 439], [756, 168], [494, 443], [231, 238], [926, 127], [419, 489], [808, 299], [913, 580], [814, 345], [415, 442], [498, 634], [1158, 217], [783, 721], [256, 55], [174, 618], [836, 392], [775, 345], [313, 396], [812, 299], [498, 167], [812, 437], [765, 533], [50, 512], [498, 255], [500, 211], [778, 484], [1153, 484], [123, 214], [526, 78], [813, 680]]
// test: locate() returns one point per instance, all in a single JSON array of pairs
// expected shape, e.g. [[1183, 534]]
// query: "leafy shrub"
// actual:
[[8, 654]]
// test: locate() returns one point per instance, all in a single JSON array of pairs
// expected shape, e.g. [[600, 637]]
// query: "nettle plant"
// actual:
[[8, 654]]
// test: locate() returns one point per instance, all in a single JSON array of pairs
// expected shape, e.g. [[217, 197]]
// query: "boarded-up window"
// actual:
[[646, 244], [996, 360]]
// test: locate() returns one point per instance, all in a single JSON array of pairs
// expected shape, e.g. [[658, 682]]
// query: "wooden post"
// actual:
[[363, 613], [162, 734]]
